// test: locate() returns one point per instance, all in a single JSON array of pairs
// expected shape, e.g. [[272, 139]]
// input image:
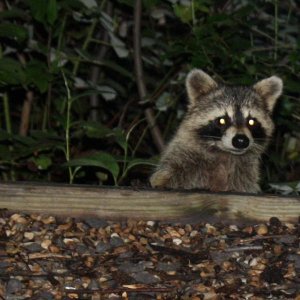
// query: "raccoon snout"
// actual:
[[240, 141]]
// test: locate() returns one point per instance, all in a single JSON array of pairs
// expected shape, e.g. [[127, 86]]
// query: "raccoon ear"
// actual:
[[269, 89], [198, 83]]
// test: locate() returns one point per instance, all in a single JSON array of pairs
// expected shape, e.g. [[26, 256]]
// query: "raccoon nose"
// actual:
[[240, 141]]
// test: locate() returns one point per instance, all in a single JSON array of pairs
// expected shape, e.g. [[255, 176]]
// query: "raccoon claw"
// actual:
[[160, 179]]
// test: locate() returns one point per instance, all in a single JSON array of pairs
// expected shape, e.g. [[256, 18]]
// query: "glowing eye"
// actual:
[[251, 122], [222, 121]]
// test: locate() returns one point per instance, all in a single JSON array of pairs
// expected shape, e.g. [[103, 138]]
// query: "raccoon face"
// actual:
[[234, 119]]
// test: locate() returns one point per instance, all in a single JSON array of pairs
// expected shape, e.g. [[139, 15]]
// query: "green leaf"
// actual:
[[13, 13], [141, 161], [51, 11], [13, 31], [120, 138], [94, 129], [42, 162], [39, 10], [184, 13], [37, 73], [101, 159], [11, 72]]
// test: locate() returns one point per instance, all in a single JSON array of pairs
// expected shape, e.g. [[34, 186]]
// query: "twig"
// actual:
[[47, 256], [121, 289], [243, 248], [95, 72], [46, 116], [258, 237], [25, 115], [156, 134]]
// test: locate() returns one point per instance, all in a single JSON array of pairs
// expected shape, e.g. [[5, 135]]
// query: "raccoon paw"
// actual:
[[160, 179]]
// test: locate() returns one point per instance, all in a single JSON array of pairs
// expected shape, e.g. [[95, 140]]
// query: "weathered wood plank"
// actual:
[[116, 203]]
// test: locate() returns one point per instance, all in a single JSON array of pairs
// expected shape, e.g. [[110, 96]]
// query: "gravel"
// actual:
[[45, 257]]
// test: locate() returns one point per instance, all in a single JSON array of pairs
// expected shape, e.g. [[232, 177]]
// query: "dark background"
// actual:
[[70, 108]]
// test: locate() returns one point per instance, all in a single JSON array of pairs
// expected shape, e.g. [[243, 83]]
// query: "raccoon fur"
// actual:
[[219, 143]]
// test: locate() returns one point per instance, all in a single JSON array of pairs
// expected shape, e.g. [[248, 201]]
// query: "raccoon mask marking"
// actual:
[[222, 136]]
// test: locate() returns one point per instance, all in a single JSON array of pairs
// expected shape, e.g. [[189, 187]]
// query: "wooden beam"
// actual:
[[120, 203]]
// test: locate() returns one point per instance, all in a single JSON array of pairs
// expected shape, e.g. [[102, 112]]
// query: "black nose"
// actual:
[[240, 141]]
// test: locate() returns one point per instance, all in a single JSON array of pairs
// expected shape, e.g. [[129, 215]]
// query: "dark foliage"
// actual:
[[70, 110]]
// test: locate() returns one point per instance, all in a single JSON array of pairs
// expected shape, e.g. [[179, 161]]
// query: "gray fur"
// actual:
[[191, 161]]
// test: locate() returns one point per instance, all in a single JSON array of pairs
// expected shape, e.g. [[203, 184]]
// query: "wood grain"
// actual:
[[121, 203]]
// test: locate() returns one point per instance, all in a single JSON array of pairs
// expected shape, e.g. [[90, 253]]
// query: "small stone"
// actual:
[[181, 231], [54, 249], [19, 219], [177, 241], [145, 277], [131, 237], [46, 243], [290, 226], [233, 228], [143, 241], [262, 229], [227, 265], [210, 229], [253, 262], [33, 247], [173, 233], [89, 262], [116, 241], [150, 223], [102, 247], [188, 228], [248, 229], [168, 266], [48, 220], [13, 286], [29, 235], [114, 235], [193, 233]]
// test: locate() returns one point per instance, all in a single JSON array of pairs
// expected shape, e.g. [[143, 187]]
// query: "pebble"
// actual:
[[46, 243], [145, 277], [29, 235], [151, 223], [200, 260], [103, 247], [177, 241], [194, 233], [19, 219], [262, 229], [33, 247], [116, 241], [13, 286]]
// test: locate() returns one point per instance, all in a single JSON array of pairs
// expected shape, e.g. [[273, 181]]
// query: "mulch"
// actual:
[[47, 257]]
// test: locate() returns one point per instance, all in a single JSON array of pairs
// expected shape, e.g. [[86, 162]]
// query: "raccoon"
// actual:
[[219, 143]]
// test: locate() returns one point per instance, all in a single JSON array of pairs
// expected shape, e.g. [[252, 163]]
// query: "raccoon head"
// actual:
[[235, 119]]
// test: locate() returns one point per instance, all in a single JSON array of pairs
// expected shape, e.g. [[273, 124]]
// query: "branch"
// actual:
[[25, 116], [95, 71], [156, 134]]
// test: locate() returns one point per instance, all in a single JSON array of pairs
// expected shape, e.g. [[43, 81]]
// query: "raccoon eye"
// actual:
[[251, 122], [222, 121]]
